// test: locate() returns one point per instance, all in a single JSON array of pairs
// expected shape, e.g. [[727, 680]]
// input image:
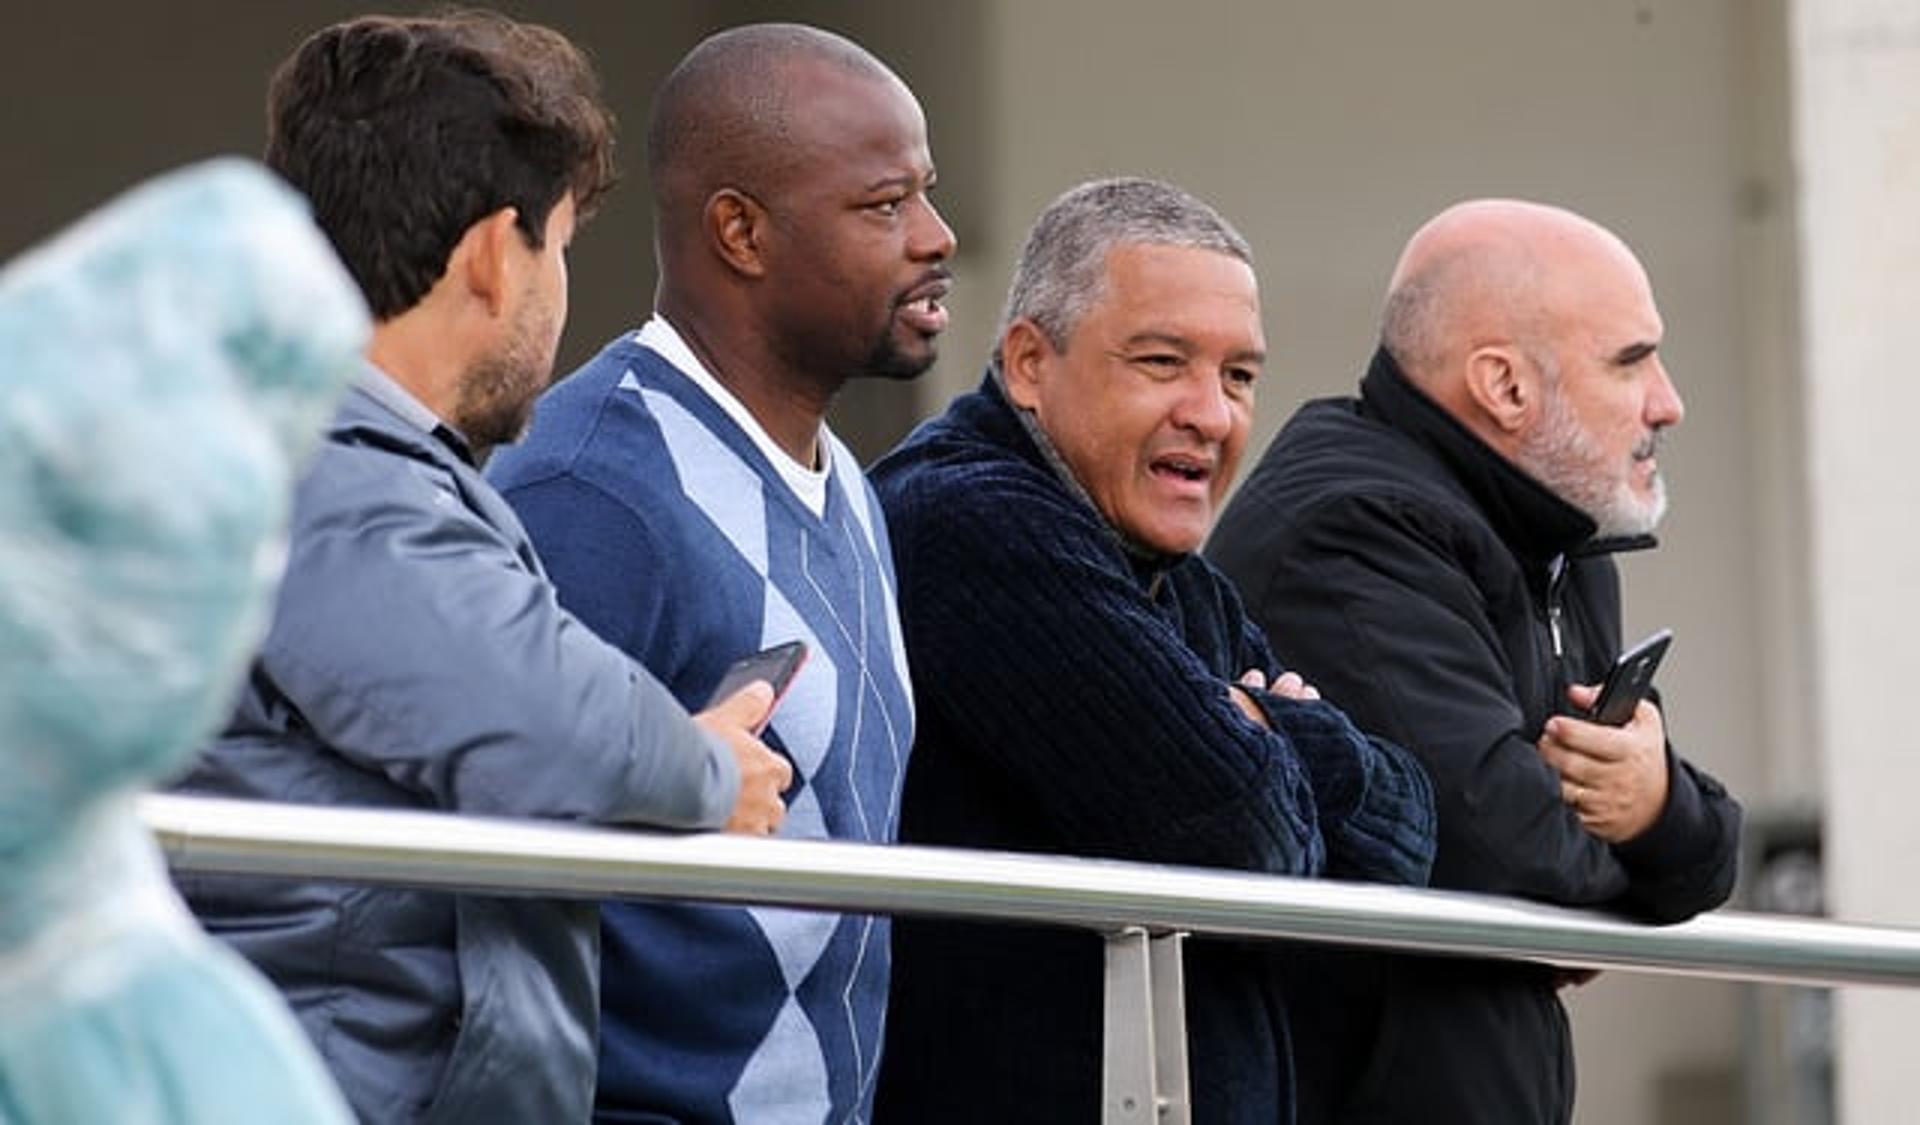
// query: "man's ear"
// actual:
[[736, 225], [1024, 354], [482, 260], [1504, 384]]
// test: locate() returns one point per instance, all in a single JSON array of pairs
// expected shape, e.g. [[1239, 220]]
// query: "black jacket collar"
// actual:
[[1534, 522]]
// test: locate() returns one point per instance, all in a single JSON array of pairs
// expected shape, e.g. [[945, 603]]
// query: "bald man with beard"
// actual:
[[1436, 555], [692, 506]]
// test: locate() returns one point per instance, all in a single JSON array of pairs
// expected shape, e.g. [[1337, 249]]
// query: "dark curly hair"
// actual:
[[404, 132]]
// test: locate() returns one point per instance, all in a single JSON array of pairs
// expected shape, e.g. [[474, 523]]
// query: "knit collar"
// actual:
[[1527, 515], [1148, 563]]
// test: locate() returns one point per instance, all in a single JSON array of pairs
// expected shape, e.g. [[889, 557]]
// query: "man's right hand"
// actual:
[[764, 775]]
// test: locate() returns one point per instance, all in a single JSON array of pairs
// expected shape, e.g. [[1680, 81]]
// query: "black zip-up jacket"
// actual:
[[1444, 600]]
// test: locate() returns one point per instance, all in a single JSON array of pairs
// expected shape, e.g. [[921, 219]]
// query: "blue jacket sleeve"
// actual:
[[414, 638]]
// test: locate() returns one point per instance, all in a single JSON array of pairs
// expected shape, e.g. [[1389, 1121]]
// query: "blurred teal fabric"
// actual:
[[165, 365]]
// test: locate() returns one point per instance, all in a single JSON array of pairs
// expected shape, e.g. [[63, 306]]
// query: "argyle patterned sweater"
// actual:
[[669, 533]]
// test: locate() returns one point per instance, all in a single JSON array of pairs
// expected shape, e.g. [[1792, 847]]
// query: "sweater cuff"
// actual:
[[1324, 742]]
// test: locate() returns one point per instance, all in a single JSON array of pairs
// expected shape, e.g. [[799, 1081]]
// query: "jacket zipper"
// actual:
[[1556, 574]]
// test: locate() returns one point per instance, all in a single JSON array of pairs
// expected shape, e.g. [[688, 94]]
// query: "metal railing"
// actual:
[[1141, 908]]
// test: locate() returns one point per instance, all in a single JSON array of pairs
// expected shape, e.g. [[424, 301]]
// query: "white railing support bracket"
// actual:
[[1144, 1075]]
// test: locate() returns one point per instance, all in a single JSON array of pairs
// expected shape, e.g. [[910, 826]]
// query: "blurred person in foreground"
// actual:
[[1437, 553], [418, 657], [693, 504], [1088, 685], [169, 362]]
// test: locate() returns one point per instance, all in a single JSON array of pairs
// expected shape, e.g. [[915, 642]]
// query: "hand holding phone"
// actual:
[[764, 774], [1627, 682], [777, 666]]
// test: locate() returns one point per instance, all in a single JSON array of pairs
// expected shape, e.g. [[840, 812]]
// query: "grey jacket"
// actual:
[[418, 659]]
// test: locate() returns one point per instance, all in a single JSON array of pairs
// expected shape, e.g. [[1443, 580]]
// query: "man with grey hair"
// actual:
[[1436, 554], [1090, 686]]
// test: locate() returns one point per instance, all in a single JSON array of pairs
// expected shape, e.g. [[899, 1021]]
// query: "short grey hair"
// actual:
[[1426, 311], [1063, 266], [1409, 325]]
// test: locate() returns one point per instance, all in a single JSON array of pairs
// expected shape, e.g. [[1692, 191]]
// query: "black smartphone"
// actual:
[[1627, 682], [777, 665]]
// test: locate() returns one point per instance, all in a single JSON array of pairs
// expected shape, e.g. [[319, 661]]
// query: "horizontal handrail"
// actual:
[[517, 857]]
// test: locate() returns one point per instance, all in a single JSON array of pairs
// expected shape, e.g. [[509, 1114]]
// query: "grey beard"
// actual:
[[1560, 455]]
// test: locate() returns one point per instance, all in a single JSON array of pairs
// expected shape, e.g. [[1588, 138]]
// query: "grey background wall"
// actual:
[[1327, 132], [96, 95]]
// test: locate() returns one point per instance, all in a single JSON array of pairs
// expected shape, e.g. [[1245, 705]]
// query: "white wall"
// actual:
[[1857, 71]]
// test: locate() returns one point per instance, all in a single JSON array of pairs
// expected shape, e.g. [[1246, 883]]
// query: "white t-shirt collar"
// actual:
[[809, 485]]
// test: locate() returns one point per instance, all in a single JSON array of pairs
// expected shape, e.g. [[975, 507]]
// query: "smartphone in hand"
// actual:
[[777, 665], [1627, 682]]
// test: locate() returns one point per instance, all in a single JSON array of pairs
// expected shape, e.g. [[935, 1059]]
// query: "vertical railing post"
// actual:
[[1144, 1077], [1170, 1027]]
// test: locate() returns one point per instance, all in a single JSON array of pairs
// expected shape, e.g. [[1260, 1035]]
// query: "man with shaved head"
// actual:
[[1435, 554], [693, 507]]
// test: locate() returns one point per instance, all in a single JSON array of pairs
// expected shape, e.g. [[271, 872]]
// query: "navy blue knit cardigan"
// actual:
[[1073, 698]]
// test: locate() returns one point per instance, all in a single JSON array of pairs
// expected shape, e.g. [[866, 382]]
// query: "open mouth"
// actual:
[[921, 306], [1191, 470]]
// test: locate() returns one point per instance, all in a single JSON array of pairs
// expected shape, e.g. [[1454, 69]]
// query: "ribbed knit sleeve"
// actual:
[[1040, 662], [1374, 800]]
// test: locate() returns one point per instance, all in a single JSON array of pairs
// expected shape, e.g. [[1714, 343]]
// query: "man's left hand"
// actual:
[[1614, 778], [1290, 686]]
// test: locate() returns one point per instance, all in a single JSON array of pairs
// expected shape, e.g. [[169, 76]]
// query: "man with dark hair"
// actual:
[[472, 114], [1090, 686], [1436, 553], [418, 657], [693, 504]]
